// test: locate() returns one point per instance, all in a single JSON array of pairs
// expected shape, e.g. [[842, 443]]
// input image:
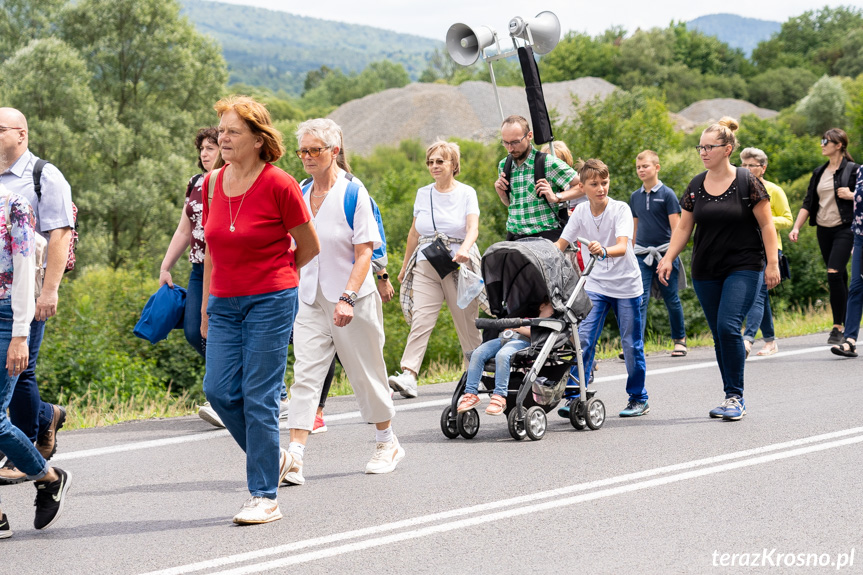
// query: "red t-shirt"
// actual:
[[256, 257]]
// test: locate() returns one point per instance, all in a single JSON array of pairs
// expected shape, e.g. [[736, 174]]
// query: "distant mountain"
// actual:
[[276, 49], [736, 31]]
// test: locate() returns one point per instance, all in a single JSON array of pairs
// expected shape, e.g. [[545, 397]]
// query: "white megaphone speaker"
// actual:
[[544, 30], [465, 44]]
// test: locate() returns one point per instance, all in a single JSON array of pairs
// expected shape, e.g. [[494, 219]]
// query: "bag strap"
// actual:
[[845, 176], [37, 178], [431, 201], [211, 185], [507, 173], [743, 185], [351, 192]]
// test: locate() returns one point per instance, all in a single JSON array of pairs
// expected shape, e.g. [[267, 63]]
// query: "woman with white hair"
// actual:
[[340, 307], [760, 315]]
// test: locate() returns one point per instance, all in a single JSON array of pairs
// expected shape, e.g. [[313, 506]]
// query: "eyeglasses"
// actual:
[[514, 142], [825, 141], [708, 147], [312, 152], [5, 128], [752, 165], [436, 162]]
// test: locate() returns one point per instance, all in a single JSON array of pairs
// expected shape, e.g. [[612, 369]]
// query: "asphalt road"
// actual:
[[670, 492]]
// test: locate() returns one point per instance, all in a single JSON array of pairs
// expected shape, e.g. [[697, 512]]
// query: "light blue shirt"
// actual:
[[54, 210]]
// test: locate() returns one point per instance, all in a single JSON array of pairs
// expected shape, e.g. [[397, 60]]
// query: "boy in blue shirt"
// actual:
[[656, 211]]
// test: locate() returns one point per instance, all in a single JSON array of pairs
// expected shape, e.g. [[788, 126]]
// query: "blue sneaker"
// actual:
[[563, 411], [735, 410], [635, 408]]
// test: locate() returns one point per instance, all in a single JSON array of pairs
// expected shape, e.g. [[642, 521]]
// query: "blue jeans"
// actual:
[[669, 295], [855, 292], [247, 351], [725, 303], [760, 315], [27, 410], [502, 354], [628, 314], [192, 314], [14, 442]]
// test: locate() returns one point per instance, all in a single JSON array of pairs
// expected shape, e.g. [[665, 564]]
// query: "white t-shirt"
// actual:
[[613, 277], [450, 212], [332, 267]]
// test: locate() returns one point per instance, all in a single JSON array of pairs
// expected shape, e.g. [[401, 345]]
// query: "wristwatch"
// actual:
[[508, 334], [383, 276]]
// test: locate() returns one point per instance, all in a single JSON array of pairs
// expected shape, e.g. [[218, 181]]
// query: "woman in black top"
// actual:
[[732, 213], [829, 205]]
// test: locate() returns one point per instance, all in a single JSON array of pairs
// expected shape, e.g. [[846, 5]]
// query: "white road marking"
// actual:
[[489, 512], [156, 443]]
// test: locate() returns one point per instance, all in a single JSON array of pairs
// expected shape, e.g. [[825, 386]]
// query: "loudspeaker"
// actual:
[[465, 44], [545, 30]]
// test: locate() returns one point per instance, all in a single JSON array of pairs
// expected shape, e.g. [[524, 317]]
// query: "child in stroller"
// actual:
[[501, 349]]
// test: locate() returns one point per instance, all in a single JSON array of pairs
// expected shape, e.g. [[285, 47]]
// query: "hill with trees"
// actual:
[[736, 31]]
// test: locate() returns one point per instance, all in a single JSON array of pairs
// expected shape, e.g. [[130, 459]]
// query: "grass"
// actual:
[[98, 409]]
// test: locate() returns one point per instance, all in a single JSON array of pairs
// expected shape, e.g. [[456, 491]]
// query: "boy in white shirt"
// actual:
[[614, 283]]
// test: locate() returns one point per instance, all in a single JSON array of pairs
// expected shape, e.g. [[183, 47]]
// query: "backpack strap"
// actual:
[[351, 192], [845, 176], [743, 185], [37, 178], [211, 187], [507, 173], [539, 167]]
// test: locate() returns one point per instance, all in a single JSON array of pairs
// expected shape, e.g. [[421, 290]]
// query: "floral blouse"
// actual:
[[857, 221], [194, 209], [19, 256]]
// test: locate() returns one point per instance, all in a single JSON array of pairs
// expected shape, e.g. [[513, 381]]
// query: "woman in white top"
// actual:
[[448, 208], [340, 308]]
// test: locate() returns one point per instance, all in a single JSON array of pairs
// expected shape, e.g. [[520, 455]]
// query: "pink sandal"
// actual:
[[468, 402]]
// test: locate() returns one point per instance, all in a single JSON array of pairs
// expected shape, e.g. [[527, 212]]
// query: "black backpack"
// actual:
[[538, 174]]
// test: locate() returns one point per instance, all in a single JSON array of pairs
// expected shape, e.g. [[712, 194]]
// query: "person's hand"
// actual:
[[386, 290], [343, 314], [461, 256], [205, 324], [663, 270], [793, 235], [46, 305], [401, 275], [17, 356], [845, 193], [501, 184], [771, 275], [595, 248], [543, 189], [165, 278]]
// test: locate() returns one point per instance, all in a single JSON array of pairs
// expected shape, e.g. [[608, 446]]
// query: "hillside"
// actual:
[[275, 49], [736, 31]]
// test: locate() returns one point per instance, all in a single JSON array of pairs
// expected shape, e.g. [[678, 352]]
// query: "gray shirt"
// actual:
[[54, 210]]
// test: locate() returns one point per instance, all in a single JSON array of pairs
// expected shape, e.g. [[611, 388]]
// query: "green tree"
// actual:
[[578, 55], [824, 105], [24, 20], [779, 88]]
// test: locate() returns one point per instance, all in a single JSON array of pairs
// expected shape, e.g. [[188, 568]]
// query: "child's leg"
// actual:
[[502, 362], [628, 314], [477, 363], [590, 329]]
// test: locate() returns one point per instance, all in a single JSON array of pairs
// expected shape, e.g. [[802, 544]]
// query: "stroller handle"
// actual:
[[505, 323]]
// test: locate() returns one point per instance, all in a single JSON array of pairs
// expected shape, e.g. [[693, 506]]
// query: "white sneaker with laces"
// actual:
[[293, 471], [258, 510], [283, 409], [386, 457], [405, 383], [208, 414]]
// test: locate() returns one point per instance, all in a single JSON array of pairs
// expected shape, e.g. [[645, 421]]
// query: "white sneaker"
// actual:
[[283, 409], [386, 457], [293, 470], [258, 510], [405, 383], [208, 414]]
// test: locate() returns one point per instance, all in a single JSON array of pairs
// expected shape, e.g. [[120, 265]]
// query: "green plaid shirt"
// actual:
[[529, 213]]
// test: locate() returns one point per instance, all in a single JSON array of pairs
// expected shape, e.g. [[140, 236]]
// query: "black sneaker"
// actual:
[[5, 530], [50, 498], [836, 337]]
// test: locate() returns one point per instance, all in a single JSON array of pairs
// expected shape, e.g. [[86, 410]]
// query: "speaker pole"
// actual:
[[496, 93]]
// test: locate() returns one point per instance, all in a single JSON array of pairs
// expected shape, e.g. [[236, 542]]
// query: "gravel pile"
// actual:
[[468, 111], [710, 111]]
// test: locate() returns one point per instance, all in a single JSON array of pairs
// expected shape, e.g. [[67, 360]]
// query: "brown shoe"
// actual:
[[10, 475], [47, 442]]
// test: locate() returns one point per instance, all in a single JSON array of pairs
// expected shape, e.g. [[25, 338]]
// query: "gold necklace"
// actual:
[[232, 218]]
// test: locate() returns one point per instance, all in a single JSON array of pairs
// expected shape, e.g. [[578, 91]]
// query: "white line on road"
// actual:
[[633, 482], [155, 443]]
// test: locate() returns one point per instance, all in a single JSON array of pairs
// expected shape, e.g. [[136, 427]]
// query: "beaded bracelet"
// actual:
[[347, 300]]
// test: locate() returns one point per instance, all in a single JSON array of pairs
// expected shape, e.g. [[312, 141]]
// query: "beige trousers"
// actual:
[[430, 291], [360, 346]]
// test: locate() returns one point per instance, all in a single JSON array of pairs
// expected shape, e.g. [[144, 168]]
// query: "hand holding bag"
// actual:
[[437, 252], [469, 286]]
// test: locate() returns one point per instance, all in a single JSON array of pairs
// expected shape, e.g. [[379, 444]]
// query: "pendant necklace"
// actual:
[[595, 223], [231, 215]]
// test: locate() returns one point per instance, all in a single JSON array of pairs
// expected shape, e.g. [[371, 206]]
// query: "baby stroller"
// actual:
[[518, 277]]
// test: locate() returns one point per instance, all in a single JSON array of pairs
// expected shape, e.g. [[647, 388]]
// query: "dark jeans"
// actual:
[[835, 244], [855, 292], [760, 315], [725, 303], [192, 314], [552, 235], [669, 296], [27, 411]]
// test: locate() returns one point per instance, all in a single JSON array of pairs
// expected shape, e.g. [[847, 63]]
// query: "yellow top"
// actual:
[[779, 208]]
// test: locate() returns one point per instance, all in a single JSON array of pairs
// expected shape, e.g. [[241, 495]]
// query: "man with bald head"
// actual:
[[37, 419]]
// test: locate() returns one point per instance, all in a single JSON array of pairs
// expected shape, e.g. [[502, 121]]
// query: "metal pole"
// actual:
[[496, 94]]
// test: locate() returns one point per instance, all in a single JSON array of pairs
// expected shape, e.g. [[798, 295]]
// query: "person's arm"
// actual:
[[23, 284], [410, 248], [307, 244], [635, 229], [801, 219], [472, 225], [179, 242], [344, 312], [780, 209], [385, 286], [679, 238], [615, 251], [771, 244], [58, 253]]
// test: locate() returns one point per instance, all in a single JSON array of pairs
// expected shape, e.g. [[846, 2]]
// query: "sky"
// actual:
[[433, 19]]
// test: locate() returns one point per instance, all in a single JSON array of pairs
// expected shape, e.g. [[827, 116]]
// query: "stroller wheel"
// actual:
[[535, 423], [468, 423], [576, 415], [516, 426], [448, 423], [595, 413]]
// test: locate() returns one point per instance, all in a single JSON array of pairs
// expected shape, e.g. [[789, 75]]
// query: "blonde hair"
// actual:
[[450, 151], [648, 155], [560, 150], [724, 130], [256, 116]]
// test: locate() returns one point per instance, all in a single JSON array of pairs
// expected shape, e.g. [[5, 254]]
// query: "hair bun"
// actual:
[[729, 123]]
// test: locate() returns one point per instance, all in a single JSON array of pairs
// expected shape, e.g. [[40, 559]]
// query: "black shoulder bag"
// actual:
[[436, 252]]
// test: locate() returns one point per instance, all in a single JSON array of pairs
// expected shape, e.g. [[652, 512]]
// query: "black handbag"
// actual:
[[784, 267], [437, 252]]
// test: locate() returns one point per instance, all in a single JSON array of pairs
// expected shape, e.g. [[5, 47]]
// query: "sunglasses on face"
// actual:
[[436, 162], [311, 152], [825, 141]]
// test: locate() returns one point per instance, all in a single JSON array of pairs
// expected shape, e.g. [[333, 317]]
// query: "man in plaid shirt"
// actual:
[[532, 206]]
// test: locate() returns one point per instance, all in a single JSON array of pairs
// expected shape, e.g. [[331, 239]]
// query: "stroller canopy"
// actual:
[[519, 275]]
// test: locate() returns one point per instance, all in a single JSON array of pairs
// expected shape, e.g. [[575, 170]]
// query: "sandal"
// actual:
[[748, 345], [679, 348], [769, 348], [497, 405], [848, 348], [468, 402]]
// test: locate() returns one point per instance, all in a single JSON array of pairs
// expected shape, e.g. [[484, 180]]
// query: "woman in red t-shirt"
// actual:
[[250, 291]]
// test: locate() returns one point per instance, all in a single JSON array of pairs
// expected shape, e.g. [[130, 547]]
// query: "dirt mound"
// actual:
[[468, 111], [709, 111]]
